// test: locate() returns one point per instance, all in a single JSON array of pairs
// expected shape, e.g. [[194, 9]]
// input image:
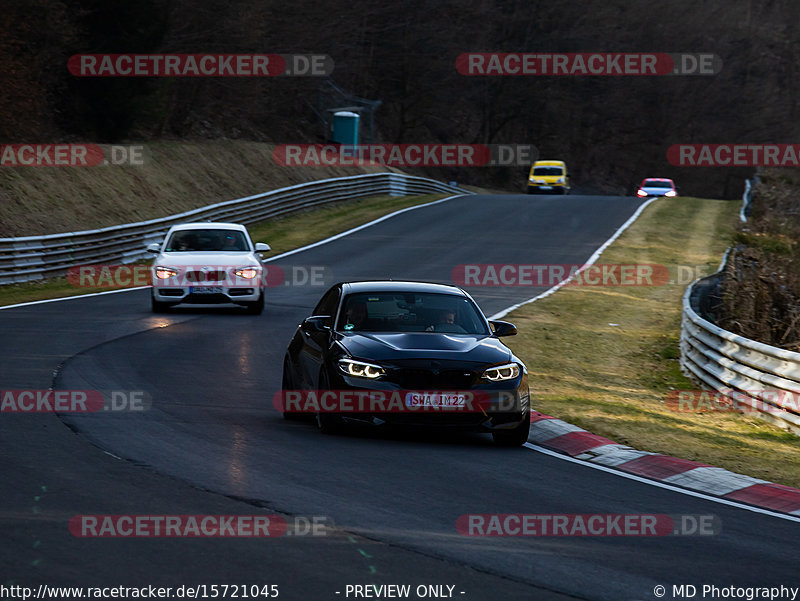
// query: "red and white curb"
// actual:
[[558, 435]]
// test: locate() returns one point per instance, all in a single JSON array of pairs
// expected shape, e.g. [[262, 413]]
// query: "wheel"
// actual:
[[256, 307], [327, 423], [515, 437], [287, 383], [159, 306]]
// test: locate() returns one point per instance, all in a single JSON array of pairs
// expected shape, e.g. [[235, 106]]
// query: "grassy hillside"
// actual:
[[175, 177]]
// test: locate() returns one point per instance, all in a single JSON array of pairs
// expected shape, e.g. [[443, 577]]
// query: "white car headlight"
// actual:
[[501, 372], [164, 273], [560, 180], [360, 369], [671, 193], [247, 273]]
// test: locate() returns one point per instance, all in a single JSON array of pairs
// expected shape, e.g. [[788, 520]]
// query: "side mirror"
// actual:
[[154, 248], [503, 328], [262, 247], [316, 323]]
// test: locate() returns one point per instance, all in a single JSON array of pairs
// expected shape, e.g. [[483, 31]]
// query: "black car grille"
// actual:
[[432, 379]]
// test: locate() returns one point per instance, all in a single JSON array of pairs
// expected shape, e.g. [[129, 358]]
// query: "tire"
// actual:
[[327, 423], [159, 306], [287, 383], [256, 307], [515, 437]]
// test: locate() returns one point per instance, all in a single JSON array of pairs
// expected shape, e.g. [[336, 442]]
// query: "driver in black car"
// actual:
[[356, 315], [446, 322]]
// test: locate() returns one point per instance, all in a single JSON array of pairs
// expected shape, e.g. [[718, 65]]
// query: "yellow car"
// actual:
[[548, 177]]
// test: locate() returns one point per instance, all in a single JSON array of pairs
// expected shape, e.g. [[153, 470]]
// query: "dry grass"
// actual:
[[613, 379], [175, 177]]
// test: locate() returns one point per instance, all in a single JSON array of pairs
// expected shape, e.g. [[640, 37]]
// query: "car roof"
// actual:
[[550, 163], [657, 179], [395, 286], [215, 225]]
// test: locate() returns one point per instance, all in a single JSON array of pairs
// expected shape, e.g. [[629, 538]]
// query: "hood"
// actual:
[[479, 349], [207, 259]]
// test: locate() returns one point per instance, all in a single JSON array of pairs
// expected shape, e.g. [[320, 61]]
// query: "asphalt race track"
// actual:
[[212, 444]]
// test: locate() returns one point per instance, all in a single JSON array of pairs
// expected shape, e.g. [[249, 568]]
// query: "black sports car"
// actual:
[[406, 353]]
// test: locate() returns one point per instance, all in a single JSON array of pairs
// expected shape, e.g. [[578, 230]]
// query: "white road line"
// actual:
[[361, 227], [591, 261], [658, 484], [66, 298]]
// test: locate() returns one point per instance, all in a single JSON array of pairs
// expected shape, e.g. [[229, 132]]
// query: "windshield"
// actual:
[[657, 183], [548, 171], [410, 312], [206, 240]]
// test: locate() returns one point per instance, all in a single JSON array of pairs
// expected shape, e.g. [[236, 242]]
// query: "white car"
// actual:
[[657, 186], [208, 263]]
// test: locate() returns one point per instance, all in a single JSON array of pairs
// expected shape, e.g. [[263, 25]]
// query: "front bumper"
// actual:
[[205, 295], [547, 188], [501, 406]]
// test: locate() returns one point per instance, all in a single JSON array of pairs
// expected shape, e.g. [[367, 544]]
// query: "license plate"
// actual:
[[437, 399], [545, 187], [205, 290]]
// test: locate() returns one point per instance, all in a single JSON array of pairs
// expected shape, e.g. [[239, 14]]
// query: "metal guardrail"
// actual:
[[747, 199], [36, 257], [763, 380]]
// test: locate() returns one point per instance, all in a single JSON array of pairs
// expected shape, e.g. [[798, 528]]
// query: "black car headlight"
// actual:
[[501, 373], [359, 369]]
